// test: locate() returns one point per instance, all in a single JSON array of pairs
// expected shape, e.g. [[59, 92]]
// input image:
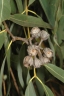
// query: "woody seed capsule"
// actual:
[[32, 51], [28, 61], [35, 32], [44, 35], [44, 60], [37, 63], [48, 52]]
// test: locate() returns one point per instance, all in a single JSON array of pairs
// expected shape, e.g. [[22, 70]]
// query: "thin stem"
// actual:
[[5, 25], [34, 13], [42, 85], [14, 80], [14, 38], [27, 14], [9, 45], [40, 42], [31, 79], [4, 88], [3, 31], [34, 72], [25, 32]]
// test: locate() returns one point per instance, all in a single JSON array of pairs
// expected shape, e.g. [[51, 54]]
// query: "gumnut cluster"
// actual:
[[37, 56]]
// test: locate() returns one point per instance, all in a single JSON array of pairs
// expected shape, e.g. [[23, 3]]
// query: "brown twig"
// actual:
[[14, 80], [14, 38], [4, 87]]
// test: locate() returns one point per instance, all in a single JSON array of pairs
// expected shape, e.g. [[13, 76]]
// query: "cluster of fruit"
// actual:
[[37, 55]]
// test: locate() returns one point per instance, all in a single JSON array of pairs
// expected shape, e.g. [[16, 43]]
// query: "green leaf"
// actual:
[[13, 6], [30, 91], [20, 77], [41, 75], [2, 35], [62, 50], [4, 10], [50, 8], [1, 75], [22, 54], [30, 2], [6, 43], [60, 55], [60, 31], [29, 21], [48, 91], [55, 71], [19, 5]]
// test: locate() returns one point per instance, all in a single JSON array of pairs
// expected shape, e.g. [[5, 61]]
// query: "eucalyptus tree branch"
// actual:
[[14, 38]]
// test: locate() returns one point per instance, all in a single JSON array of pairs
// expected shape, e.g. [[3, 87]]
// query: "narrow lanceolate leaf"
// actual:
[[20, 77], [50, 8], [4, 10], [6, 43], [2, 40], [30, 2], [55, 71], [29, 21], [1, 75], [19, 5], [48, 91], [30, 91]]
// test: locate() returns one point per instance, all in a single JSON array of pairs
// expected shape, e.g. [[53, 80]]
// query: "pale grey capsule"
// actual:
[[35, 32], [44, 35], [37, 63], [32, 51], [44, 60], [28, 61], [48, 52]]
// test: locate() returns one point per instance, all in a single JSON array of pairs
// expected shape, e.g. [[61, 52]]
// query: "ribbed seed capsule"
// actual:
[[44, 35], [37, 63], [44, 60], [28, 61], [32, 51], [35, 32], [48, 52]]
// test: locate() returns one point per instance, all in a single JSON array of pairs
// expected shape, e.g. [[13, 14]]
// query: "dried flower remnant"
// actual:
[[28, 61], [35, 32], [44, 35], [32, 50], [48, 52]]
